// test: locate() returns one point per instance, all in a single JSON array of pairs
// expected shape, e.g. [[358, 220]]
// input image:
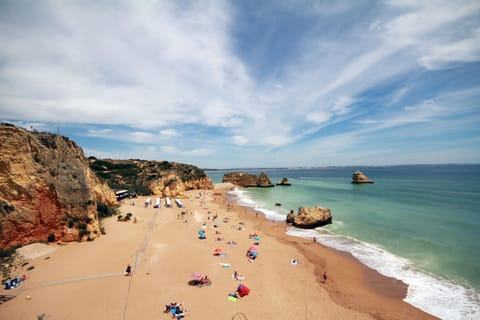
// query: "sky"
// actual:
[[237, 84]]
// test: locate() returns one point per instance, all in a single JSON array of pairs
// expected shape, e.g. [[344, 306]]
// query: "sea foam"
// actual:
[[435, 295]]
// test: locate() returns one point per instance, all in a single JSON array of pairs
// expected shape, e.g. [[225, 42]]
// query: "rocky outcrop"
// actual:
[[171, 185], [309, 218], [283, 182], [358, 177], [47, 190], [146, 177], [247, 180]]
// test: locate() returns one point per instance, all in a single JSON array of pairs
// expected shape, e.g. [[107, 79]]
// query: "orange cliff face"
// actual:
[[46, 187], [171, 185]]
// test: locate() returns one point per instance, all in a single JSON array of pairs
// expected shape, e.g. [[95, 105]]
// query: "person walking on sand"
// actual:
[[129, 270], [325, 277]]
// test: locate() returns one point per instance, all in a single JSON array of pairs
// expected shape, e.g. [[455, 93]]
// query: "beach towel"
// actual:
[[225, 265], [232, 298]]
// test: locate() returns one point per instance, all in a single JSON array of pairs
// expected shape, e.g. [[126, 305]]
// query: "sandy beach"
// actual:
[[87, 281]]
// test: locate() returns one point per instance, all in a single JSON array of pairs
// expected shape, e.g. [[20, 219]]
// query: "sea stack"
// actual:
[[358, 177], [310, 218], [283, 182]]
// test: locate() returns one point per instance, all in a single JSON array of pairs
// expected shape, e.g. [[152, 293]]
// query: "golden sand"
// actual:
[[86, 280]]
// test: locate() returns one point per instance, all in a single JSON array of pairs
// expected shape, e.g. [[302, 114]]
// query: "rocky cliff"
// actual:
[[47, 190], [309, 218], [247, 180], [144, 177]]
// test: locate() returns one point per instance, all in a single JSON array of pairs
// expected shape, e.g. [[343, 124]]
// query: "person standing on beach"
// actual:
[[325, 277], [129, 270]]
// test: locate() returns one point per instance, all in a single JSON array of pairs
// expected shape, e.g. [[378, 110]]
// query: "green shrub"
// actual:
[[104, 211], [82, 233], [51, 237]]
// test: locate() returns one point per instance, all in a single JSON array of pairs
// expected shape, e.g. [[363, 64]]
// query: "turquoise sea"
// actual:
[[417, 223]]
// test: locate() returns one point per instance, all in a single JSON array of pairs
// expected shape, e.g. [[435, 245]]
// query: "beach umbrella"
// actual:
[[257, 238], [201, 231], [254, 253], [218, 250], [197, 275]]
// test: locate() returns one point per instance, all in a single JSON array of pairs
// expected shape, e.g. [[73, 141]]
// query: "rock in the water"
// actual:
[[310, 218], [359, 177], [283, 182]]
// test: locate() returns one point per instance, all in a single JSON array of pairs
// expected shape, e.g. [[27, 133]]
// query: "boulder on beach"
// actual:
[[358, 177], [310, 218]]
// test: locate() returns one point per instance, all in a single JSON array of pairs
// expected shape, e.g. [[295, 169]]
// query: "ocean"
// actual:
[[416, 223]]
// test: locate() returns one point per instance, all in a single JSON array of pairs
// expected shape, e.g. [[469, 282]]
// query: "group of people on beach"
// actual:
[[176, 309]]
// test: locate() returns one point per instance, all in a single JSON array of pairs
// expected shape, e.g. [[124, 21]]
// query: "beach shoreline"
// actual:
[[87, 280], [372, 293]]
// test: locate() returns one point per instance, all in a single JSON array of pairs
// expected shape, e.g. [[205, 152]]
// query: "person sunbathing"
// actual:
[[169, 306], [204, 281], [178, 312]]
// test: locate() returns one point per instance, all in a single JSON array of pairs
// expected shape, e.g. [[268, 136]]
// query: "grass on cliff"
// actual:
[[137, 175]]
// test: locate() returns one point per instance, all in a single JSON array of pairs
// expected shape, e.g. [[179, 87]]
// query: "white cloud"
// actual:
[[318, 117], [169, 150], [201, 152], [276, 140], [142, 137], [465, 50], [159, 65], [341, 105], [239, 140], [157, 71], [101, 133], [169, 133]]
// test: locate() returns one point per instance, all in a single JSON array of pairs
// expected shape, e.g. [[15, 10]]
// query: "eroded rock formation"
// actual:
[[309, 218], [358, 177], [171, 185], [47, 189], [147, 177], [247, 180], [283, 182]]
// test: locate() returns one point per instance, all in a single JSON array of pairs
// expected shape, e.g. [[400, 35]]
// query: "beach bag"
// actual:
[[243, 291]]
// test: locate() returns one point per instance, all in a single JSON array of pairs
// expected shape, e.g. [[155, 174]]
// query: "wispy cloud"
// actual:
[[205, 80]]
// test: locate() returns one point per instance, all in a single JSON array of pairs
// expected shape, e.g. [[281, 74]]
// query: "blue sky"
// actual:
[[223, 84]]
